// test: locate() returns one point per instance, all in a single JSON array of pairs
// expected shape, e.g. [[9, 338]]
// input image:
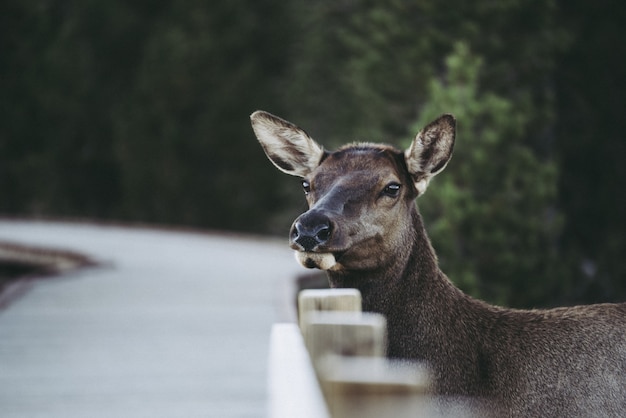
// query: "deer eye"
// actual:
[[306, 186], [392, 190]]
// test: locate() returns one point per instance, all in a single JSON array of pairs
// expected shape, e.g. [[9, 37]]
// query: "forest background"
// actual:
[[137, 111]]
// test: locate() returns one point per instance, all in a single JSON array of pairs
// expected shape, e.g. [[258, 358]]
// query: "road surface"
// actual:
[[170, 324]]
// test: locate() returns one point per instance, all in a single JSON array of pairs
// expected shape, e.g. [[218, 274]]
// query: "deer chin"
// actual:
[[322, 261]]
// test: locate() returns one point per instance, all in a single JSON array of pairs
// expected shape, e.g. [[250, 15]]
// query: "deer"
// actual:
[[363, 228]]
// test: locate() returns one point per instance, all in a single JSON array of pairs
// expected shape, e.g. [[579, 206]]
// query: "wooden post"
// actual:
[[347, 349], [327, 300], [345, 334], [371, 387], [331, 322]]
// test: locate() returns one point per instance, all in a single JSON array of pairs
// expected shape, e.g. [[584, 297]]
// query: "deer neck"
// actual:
[[412, 266], [411, 291]]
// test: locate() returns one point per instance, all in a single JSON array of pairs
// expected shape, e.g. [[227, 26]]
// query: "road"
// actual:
[[170, 324]]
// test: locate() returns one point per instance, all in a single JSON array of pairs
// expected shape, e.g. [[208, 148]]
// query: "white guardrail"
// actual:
[[333, 365]]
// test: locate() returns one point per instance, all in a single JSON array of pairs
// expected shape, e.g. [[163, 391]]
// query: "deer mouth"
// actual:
[[362, 254], [319, 260], [358, 255]]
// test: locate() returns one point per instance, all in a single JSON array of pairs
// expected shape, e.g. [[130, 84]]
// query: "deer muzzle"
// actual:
[[311, 231]]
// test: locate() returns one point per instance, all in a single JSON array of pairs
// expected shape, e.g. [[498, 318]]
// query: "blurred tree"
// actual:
[[56, 143], [491, 214], [182, 134], [139, 110], [368, 62], [590, 85]]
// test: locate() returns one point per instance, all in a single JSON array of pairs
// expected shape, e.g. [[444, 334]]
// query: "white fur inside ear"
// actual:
[[416, 149], [422, 185], [430, 151], [286, 145], [322, 261]]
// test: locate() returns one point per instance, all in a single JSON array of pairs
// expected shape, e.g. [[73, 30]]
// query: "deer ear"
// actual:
[[430, 151], [287, 146]]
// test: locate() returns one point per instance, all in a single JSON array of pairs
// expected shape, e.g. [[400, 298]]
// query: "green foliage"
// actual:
[[491, 214], [369, 63], [138, 111], [366, 63], [590, 146]]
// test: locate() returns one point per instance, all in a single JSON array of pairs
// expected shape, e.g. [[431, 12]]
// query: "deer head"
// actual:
[[361, 197]]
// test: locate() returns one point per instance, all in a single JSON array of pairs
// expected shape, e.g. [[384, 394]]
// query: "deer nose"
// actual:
[[311, 230]]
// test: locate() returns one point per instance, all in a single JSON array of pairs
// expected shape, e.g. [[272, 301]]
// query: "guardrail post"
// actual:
[[346, 359], [345, 334], [314, 300]]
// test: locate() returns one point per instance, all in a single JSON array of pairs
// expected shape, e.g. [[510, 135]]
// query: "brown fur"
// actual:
[[565, 362]]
